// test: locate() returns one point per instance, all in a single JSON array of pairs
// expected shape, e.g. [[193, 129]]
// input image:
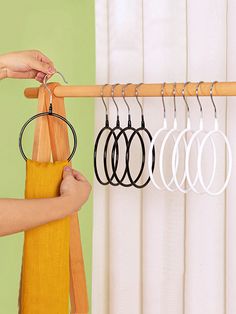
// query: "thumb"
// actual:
[[42, 67], [67, 171]]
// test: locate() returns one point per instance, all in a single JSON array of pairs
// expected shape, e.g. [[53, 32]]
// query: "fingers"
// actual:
[[48, 64], [40, 76], [78, 175], [43, 58], [32, 74], [42, 67], [26, 75], [67, 171]]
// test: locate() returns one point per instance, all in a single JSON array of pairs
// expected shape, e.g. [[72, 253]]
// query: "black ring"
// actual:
[[95, 154], [117, 155], [128, 157], [56, 116], [120, 181]]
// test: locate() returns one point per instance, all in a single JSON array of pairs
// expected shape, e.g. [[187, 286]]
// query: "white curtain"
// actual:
[[160, 252]]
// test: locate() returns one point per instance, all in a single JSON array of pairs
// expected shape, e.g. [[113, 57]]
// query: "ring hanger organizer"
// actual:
[[48, 113], [186, 183], [176, 134]]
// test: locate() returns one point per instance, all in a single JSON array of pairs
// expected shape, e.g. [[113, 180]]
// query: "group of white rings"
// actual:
[[174, 183]]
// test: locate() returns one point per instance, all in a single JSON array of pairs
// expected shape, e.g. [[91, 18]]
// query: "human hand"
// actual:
[[74, 187], [29, 64]]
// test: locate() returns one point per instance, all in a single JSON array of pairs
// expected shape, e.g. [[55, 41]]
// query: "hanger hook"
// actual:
[[127, 105], [211, 94], [163, 99], [45, 79], [137, 95], [117, 108], [104, 103], [140, 105], [174, 94], [102, 96], [183, 94], [197, 88]]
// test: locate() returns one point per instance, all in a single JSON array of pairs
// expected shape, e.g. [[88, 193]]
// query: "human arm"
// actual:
[[23, 214]]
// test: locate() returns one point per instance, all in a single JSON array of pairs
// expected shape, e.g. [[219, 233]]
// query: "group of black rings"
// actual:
[[117, 133]]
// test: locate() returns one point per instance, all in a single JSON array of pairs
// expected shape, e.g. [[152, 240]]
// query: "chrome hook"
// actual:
[[140, 105], [117, 108], [183, 94], [127, 105], [104, 103], [211, 94], [200, 105], [163, 100], [174, 95], [45, 79]]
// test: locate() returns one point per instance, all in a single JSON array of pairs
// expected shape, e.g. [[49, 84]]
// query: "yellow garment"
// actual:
[[45, 272]]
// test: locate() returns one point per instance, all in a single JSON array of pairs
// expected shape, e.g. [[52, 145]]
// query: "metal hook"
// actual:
[[200, 105], [48, 89], [101, 94], [137, 95], [140, 105], [211, 89], [183, 94], [117, 108], [163, 100], [174, 94], [127, 105]]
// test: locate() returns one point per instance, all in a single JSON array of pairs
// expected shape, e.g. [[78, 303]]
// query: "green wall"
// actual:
[[64, 31]]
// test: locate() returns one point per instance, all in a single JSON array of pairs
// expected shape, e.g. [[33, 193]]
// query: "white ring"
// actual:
[[150, 158], [174, 168], [167, 185], [187, 162], [229, 162]]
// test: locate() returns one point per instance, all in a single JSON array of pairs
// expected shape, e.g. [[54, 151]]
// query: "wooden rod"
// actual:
[[145, 90]]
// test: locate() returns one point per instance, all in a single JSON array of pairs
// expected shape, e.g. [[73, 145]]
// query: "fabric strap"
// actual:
[[45, 267]]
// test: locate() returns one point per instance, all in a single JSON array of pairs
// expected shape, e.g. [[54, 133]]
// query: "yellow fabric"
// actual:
[[45, 267]]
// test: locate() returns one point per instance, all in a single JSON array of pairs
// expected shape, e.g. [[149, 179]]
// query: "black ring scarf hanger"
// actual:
[[116, 156], [48, 113], [142, 128], [99, 136], [116, 134]]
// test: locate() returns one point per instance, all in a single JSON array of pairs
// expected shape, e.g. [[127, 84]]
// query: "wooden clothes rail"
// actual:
[[145, 90]]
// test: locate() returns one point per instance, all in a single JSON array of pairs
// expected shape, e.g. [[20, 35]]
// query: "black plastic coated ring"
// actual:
[[56, 116], [114, 167], [141, 129], [95, 154]]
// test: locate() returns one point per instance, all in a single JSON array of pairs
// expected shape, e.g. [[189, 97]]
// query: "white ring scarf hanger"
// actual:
[[154, 140], [189, 147], [184, 132], [216, 130]]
